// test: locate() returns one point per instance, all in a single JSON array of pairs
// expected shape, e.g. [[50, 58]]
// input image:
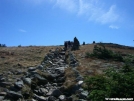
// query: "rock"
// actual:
[[75, 88], [14, 95], [54, 84], [60, 69], [51, 62], [83, 95], [61, 79], [79, 78], [27, 81], [40, 67], [80, 82], [3, 93], [19, 84], [18, 72], [62, 53], [41, 80], [40, 98], [2, 98], [31, 100], [42, 91], [69, 98], [50, 92], [51, 98], [56, 93], [4, 84], [62, 97], [31, 69], [81, 100], [2, 79]]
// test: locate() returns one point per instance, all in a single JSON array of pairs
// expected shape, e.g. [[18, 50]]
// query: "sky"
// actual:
[[51, 22]]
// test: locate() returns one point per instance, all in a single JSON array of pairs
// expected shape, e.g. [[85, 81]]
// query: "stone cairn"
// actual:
[[44, 82]]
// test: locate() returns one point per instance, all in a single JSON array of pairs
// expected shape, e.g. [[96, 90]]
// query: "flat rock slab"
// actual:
[[14, 95]]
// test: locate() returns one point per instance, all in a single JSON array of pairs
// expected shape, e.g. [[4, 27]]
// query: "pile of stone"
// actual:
[[43, 82]]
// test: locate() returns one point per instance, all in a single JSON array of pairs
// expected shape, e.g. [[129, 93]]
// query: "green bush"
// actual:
[[113, 84], [103, 53]]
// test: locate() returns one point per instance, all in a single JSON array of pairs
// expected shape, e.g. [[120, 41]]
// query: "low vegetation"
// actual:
[[113, 84], [103, 53]]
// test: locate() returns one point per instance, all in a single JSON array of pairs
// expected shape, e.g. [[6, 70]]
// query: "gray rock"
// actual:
[[40, 67], [14, 95], [75, 88], [81, 100], [51, 98], [69, 98], [1, 98], [43, 91], [2, 79], [3, 93], [80, 82], [83, 95], [62, 53], [31, 68], [41, 79], [50, 92], [62, 97], [40, 98], [56, 93], [51, 62], [19, 84], [18, 72], [61, 79], [79, 78], [31, 100], [4, 84], [27, 81], [54, 84]]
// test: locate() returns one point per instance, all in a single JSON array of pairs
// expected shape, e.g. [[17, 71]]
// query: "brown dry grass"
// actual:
[[22, 57]]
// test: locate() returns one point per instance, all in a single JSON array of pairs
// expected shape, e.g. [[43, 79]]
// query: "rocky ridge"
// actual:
[[45, 81]]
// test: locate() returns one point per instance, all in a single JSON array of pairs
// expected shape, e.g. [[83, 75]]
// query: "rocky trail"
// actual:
[[45, 81]]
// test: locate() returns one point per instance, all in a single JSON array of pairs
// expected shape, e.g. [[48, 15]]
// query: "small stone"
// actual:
[[3, 93], [19, 84], [51, 98], [43, 91], [40, 98], [27, 81], [4, 84], [31, 68], [56, 93], [1, 98], [2, 79], [14, 95], [62, 97], [80, 82], [83, 95], [40, 67]]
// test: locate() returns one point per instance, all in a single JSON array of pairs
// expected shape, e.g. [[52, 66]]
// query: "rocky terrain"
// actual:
[[43, 82]]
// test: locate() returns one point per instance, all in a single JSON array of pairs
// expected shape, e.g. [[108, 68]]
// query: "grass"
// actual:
[[22, 57]]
